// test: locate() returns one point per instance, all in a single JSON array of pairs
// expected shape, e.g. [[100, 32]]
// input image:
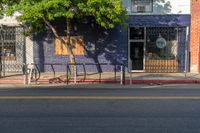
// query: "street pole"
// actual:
[[75, 71], [2, 51], [186, 51], [1, 35], [121, 76]]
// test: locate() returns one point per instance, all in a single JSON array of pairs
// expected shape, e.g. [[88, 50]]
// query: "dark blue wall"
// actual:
[[181, 21], [101, 46], [159, 20]]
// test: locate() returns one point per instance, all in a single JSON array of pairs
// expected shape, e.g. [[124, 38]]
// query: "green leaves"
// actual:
[[36, 9], [107, 13]]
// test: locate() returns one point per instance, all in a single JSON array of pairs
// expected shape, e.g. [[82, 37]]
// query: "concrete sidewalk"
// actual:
[[108, 77]]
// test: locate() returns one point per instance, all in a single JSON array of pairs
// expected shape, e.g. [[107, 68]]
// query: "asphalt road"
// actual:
[[100, 109]]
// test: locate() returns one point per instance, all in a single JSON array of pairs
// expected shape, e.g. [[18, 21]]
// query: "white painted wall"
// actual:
[[9, 20], [166, 7], [29, 50]]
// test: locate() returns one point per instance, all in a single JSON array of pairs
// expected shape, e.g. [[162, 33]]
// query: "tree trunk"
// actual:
[[67, 42], [70, 47]]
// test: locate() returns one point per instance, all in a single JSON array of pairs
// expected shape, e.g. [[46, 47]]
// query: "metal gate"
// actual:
[[12, 50]]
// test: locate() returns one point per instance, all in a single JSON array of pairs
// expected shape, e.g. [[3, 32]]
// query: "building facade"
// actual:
[[195, 37], [16, 50], [157, 39]]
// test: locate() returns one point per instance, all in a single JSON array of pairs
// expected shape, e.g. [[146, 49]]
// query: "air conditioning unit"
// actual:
[[141, 9]]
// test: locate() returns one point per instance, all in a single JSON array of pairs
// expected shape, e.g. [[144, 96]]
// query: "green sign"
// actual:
[[161, 42]]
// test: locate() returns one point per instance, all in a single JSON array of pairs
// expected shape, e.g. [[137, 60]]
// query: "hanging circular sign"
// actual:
[[161, 42]]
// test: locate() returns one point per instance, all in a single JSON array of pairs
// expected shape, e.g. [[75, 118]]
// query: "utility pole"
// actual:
[[1, 44]]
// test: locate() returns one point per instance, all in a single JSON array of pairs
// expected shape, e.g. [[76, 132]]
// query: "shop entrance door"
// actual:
[[137, 55], [136, 48]]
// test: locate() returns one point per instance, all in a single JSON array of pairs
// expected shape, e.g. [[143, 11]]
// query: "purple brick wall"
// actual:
[[102, 46], [111, 46]]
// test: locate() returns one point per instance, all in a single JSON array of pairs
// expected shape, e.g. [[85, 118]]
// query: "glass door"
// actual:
[[137, 55], [136, 48]]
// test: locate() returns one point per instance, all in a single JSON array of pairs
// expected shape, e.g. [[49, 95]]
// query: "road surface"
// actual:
[[100, 109]]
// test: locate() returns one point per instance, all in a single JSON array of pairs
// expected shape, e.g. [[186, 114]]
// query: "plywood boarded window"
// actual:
[[76, 41]]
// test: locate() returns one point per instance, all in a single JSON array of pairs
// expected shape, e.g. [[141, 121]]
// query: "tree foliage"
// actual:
[[107, 13], [37, 14]]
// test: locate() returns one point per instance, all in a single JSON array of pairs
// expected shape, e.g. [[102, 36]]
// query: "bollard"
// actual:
[[121, 76], [75, 76], [25, 74], [30, 76], [130, 71]]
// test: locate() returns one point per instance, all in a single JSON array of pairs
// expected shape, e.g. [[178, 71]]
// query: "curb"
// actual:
[[46, 81], [126, 82], [165, 81]]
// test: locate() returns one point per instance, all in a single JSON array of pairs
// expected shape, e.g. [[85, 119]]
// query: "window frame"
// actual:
[[133, 3], [61, 50]]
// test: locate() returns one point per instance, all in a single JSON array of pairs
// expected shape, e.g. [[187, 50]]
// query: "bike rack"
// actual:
[[34, 70]]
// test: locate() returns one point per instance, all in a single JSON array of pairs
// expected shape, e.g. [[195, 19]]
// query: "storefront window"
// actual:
[[161, 43]]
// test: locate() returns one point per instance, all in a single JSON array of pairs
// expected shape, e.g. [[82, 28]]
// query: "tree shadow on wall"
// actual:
[[162, 6], [101, 45], [165, 7], [163, 16]]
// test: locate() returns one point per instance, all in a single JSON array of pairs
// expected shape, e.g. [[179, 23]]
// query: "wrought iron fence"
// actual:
[[12, 50]]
